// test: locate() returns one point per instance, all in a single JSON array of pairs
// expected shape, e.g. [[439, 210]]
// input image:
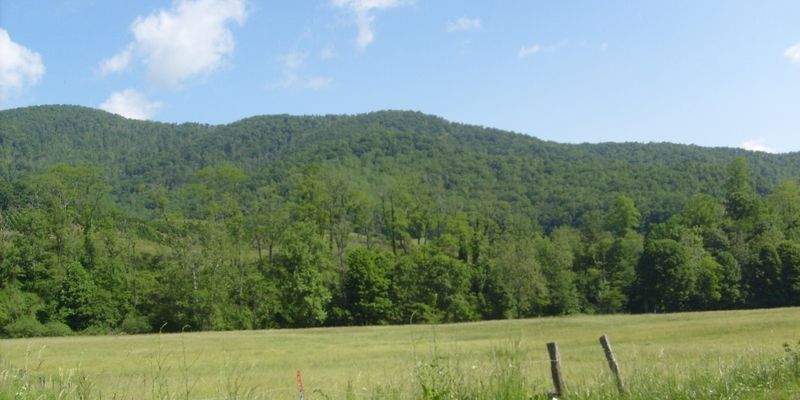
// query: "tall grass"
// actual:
[[30, 383], [439, 377], [713, 355], [22, 384], [754, 377]]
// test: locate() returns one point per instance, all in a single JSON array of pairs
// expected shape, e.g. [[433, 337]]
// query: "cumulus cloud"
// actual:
[[293, 64], [526, 51], [191, 39], [20, 67], [793, 53], [364, 13], [757, 145], [130, 103], [464, 24], [118, 62]]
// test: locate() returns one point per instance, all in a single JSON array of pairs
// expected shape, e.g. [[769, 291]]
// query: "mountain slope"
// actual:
[[558, 182]]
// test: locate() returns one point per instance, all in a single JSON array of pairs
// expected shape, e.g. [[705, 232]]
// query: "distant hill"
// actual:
[[553, 183]]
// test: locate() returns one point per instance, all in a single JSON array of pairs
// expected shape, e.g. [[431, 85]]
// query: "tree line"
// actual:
[[318, 244]]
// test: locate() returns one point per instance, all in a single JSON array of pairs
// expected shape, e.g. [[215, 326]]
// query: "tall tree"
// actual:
[[304, 266], [366, 288]]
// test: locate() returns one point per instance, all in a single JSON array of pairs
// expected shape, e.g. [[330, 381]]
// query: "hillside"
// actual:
[[116, 224], [554, 183]]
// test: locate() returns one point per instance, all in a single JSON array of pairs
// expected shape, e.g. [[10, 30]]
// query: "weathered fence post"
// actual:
[[300, 385], [555, 369], [612, 362]]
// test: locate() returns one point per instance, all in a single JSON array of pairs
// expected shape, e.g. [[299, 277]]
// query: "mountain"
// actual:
[[557, 182], [109, 224]]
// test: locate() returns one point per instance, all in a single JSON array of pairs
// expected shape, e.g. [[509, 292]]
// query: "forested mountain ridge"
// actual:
[[110, 224], [560, 180]]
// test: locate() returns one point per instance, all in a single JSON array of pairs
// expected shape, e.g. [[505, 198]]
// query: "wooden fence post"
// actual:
[[612, 362], [555, 369], [300, 388]]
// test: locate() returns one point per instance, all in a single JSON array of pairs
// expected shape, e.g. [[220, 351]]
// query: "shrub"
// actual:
[[25, 327], [56, 328], [134, 323], [97, 330]]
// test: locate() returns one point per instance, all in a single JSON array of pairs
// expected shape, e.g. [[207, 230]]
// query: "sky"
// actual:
[[711, 73]]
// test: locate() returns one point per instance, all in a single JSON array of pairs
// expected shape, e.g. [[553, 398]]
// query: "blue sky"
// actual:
[[713, 73]]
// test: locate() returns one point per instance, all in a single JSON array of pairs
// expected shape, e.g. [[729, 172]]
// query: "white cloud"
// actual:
[[131, 104], [293, 64], [118, 62], [526, 51], [20, 67], [464, 24], [757, 145], [191, 39], [793, 53], [363, 10]]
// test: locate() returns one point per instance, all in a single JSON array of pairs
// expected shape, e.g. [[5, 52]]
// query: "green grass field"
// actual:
[[360, 362]]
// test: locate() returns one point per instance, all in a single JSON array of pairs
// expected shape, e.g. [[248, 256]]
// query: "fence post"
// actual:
[[555, 369], [612, 362], [300, 385]]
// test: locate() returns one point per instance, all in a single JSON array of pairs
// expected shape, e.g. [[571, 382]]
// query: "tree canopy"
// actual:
[[109, 224]]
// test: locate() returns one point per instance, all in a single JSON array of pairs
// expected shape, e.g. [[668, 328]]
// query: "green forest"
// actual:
[[112, 225]]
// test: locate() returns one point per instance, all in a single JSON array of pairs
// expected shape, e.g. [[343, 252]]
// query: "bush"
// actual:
[[55, 328], [134, 323], [97, 330], [25, 327], [31, 327]]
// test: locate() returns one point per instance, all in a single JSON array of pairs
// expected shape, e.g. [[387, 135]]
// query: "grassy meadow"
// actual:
[[405, 361]]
